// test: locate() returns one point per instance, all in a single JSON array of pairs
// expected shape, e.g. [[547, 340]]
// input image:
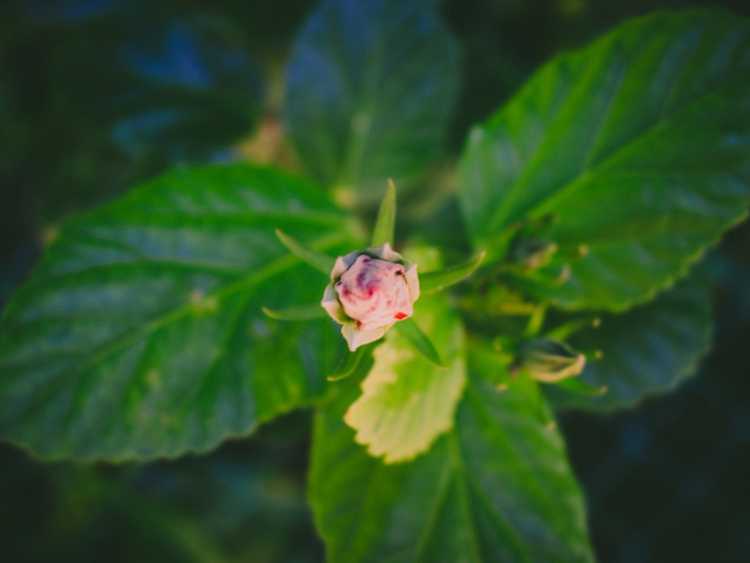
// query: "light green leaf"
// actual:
[[419, 340], [370, 92], [496, 488], [644, 352], [432, 282], [385, 224], [140, 334], [407, 401], [631, 155], [321, 262]]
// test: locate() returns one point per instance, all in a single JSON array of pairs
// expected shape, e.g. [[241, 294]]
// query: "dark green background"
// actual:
[[664, 482]]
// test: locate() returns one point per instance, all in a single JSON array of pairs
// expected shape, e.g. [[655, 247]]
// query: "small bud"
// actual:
[[533, 253], [369, 292], [549, 360]]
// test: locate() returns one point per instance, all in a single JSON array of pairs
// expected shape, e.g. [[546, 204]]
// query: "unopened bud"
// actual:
[[369, 292], [533, 253], [549, 360]]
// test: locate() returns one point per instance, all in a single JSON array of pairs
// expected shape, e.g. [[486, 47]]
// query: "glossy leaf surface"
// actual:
[[631, 155], [140, 334]]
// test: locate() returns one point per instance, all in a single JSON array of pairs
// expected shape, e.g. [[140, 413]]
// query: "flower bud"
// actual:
[[549, 360], [533, 253], [369, 292]]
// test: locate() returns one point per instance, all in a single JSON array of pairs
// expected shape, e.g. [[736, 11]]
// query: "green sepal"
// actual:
[[419, 340], [385, 224], [350, 363], [577, 386], [432, 282], [297, 313], [319, 261]]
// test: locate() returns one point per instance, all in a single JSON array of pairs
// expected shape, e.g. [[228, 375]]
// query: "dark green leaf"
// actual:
[[432, 282], [321, 262], [141, 334], [385, 224], [631, 155], [407, 400], [646, 351], [370, 91], [496, 488]]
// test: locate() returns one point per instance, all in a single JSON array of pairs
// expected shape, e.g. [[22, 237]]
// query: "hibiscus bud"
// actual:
[[549, 360], [369, 292]]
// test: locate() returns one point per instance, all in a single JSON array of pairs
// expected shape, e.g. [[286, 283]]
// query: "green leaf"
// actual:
[[632, 155], [646, 351], [140, 334], [321, 262], [407, 401], [296, 313], [385, 224], [370, 92], [496, 488], [411, 332], [432, 282]]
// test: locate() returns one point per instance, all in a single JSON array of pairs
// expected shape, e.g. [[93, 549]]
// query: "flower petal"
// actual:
[[342, 265], [412, 282], [356, 337], [332, 305]]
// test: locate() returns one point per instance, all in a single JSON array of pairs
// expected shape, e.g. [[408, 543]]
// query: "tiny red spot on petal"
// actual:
[[400, 316]]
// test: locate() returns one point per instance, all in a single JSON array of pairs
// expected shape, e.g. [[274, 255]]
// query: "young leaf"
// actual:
[[296, 313], [419, 340], [647, 351], [432, 282], [407, 401], [385, 224], [370, 92], [317, 260], [140, 334], [496, 487], [632, 155]]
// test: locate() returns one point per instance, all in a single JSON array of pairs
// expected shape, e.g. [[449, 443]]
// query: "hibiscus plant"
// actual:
[[555, 264]]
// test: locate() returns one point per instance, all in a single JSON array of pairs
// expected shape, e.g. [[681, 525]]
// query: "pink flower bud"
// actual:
[[369, 293]]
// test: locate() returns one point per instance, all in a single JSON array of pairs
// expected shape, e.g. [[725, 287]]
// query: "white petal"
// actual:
[[356, 337], [412, 282], [332, 305], [342, 264]]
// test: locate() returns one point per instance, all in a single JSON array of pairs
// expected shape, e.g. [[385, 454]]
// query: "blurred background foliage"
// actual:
[[96, 95]]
